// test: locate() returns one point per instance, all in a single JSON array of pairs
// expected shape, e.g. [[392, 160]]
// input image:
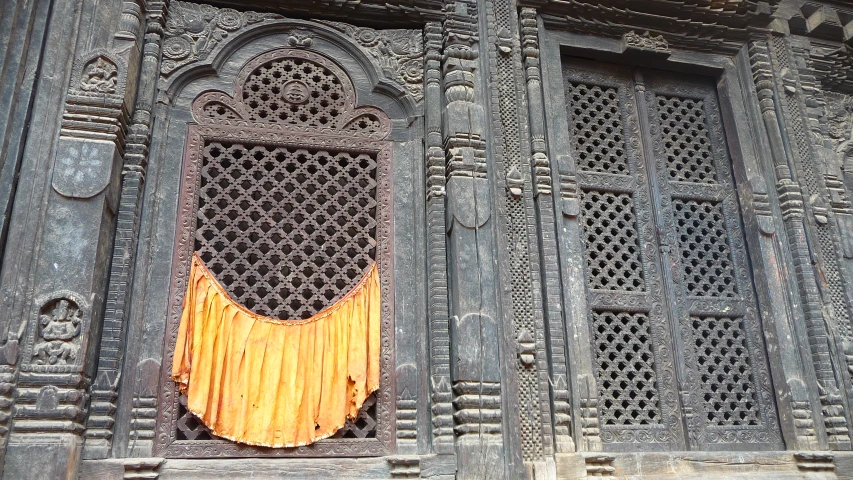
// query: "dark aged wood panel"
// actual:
[[598, 267]]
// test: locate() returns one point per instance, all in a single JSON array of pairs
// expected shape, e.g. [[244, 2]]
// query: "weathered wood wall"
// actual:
[[507, 348]]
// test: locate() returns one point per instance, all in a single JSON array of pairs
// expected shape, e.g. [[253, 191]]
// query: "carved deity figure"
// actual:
[[840, 116], [100, 76], [57, 329]]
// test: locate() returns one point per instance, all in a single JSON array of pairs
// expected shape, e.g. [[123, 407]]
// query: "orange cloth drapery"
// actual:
[[270, 382]]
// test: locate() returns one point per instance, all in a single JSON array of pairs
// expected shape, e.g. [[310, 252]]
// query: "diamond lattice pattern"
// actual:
[[685, 139], [725, 371], [628, 393], [597, 129], [612, 249], [705, 253], [287, 231]]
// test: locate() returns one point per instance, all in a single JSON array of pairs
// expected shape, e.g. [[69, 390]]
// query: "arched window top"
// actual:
[[296, 90], [285, 200]]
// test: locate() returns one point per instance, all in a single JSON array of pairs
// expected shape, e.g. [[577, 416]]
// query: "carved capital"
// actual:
[[131, 21], [790, 199], [569, 195]]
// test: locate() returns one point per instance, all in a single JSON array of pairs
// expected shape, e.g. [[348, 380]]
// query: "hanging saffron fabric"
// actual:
[[271, 382]]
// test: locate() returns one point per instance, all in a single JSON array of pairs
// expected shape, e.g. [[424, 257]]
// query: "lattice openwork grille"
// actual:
[[685, 139], [704, 247], [518, 226], [597, 128], [285, 198], [298, 91], [364, 426], [612, 249], [725, 371], [627, 384], [287, 231]]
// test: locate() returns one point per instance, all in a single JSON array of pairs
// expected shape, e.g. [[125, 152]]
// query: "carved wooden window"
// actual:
[[664, 253], [285, 199]]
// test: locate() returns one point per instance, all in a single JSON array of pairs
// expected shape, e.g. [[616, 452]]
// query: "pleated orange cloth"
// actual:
[[276, 383]]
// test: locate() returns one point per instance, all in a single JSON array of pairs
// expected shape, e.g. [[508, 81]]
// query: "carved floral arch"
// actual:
[[285, 198]]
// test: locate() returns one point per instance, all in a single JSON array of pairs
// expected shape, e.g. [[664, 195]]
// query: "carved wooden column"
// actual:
[[579, 347], [23, 33], [541, 170], [99, 426], [437, 288], [791, 204], [64, 285], [475, 333], [839, 150], [796, 87], [531, 426]]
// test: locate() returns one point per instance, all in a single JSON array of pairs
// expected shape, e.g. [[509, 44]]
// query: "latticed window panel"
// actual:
[[704, 249], [284, 201], [597, 128], [684, 134], [364, 426], [612, 247], [725, 371], [300, 92], [627, 383], [287, 231]]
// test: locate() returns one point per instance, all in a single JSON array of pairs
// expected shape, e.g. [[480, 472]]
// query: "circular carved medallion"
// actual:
[[295, 91]]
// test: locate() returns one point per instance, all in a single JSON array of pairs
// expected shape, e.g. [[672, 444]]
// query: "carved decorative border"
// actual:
[[235, 102]]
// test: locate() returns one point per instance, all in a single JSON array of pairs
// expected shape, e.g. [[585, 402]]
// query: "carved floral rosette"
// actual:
[[193, 30]]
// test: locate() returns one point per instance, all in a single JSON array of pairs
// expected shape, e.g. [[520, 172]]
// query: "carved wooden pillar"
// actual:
[[791, 204], [475, 333], [99, 426], [791, 385], [541, 170], [23, 33], [531, 426], [839, 150], [64, 284], [437, 288], [797, 97], [579, 347]]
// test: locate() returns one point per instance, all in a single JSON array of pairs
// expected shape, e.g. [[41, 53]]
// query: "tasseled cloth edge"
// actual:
[[276, 383]]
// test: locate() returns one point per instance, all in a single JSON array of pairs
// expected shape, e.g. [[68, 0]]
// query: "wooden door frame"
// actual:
[[759, 208]]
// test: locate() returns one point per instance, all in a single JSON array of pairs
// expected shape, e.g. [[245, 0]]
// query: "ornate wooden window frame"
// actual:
[[206, 129], [728, 71]]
